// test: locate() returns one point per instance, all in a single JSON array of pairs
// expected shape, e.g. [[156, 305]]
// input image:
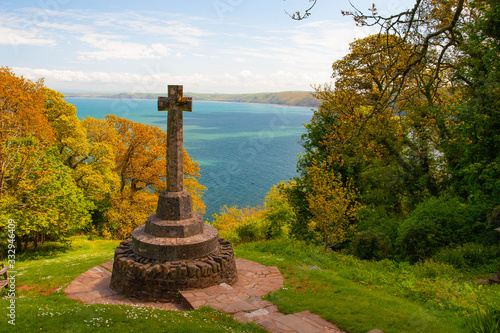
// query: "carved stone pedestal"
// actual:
[[166, 256]]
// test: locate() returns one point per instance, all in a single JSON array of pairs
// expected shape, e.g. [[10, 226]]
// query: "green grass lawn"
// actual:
[[42, 306], [356, 295], [55, 265], [57, 313], [359, 295]]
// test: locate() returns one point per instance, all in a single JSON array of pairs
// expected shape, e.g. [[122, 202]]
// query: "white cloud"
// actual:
[[65, 80], [245, 74], [10, 36], [192, 51], [310, 46], [161, 49], [109, 47], [167, 26]]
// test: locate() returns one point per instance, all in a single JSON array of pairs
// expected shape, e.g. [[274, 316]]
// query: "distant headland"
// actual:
[[290, 98]]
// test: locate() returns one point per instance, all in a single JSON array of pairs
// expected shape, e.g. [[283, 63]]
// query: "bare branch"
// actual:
[[297, 16]]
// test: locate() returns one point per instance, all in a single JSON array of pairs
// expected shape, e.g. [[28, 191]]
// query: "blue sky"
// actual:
[[209, 46]]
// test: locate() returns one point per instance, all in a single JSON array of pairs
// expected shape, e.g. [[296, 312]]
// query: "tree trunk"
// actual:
[[19, 244]]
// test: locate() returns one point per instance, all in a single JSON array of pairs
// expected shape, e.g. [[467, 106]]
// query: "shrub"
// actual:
[[251, 224], [251, 230], [278, 213], [378, 219], [370, 245], [437, 223], [469, 255], [232, 222], [430, 269]]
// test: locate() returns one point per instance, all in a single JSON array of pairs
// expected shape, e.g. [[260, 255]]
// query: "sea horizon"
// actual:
[[243, 148]]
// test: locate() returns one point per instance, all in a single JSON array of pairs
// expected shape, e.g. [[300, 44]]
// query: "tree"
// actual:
[[22, 121], [94, 172], [70, 135], [377, 136], [36, 189], [129, 209], [474, 149], [332, 203], [47, 204], [307, 12], [414, 110], [461, 38], [139, 152]]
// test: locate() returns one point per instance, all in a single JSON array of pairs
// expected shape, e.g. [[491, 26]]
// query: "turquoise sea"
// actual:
[[243, 149]]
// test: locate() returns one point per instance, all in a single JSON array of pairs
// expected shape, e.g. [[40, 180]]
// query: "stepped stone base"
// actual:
[[171, 249], [160, 280], [174, 229]]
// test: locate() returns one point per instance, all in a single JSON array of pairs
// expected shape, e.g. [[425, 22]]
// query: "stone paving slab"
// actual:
[[242, 300], [92, 287]]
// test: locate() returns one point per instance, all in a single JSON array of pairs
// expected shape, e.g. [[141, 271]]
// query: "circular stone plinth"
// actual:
[[174, 229], [171, 249], [149, 279]]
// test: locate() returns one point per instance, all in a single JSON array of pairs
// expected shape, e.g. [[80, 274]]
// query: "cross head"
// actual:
[[175, 104]]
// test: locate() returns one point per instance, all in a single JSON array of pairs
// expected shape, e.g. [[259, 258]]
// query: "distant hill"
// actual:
[[290, 98]]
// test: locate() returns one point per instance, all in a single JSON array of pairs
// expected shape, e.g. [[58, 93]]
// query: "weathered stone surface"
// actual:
[[162, 280], [175, 104], [171, 249], [174, 229], [174, 206]]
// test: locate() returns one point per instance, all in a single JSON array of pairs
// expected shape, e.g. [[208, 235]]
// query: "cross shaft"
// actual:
[[175, 104]]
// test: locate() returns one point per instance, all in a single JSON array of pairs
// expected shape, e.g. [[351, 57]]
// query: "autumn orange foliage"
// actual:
[[139, 152], [21, 116], [55, 169]]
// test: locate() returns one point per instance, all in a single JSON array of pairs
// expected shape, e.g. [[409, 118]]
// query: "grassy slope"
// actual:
[[356, 295], [359, 296], [44, 307]]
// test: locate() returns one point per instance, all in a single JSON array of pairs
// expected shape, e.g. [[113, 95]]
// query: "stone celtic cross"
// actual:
[[186, 252], [175, 104]]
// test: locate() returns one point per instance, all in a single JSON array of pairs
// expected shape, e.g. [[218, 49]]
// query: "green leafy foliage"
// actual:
[[278, 213], [370, 245], [243, 225], [485, 321], [439, 222], [47, 202], [469, 256], [412, 121]]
